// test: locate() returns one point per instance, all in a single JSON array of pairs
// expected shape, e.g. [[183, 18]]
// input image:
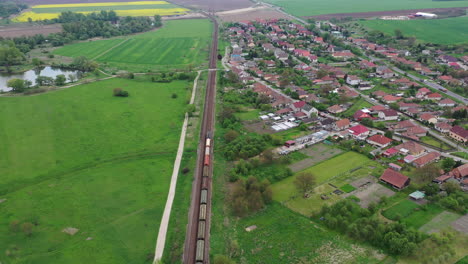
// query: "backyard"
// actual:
[[82, 158]]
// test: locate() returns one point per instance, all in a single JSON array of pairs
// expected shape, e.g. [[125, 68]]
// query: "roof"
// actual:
[[359, 129], [342, 123], [431, 156], [427, 116], [443, 125], [391, 151], [360, 114], [460, 131], [417, 195], [424, 90], [393, 165], [412, 146], [447, 101], [284, 110], [378, 108], [405, 124], [389, 112], [461, 171], [391, 98], [300, 114], [299, 104], [394, 178], [434, 95], [379, 139], [416, 130]]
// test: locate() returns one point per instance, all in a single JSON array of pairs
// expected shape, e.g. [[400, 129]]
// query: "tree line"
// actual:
[[11, 8]]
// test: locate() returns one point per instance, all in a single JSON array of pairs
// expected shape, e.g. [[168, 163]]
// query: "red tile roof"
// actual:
[[299, 104], [380, 139], [429, 157], [359, 129], [394, 178], [460, 131]]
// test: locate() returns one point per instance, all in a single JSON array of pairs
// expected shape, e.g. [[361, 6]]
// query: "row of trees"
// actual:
[[347, 217], [9, 8]]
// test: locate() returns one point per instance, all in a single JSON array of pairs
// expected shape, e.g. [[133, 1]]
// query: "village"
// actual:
[[350, 89]]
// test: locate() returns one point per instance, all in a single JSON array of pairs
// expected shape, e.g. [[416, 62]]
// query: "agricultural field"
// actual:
[[82, 158], [317, 7], [439, 31], [283, 236], [138, 8], [330, 175], [412, 214], [178, 44]]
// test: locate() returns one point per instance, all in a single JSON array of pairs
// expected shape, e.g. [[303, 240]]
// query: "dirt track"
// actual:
[[12, 31], [384, 13]]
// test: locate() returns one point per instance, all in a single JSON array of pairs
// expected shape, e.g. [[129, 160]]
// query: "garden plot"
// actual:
[[317, 153], [461, 224], [369, 191], [440, 222]]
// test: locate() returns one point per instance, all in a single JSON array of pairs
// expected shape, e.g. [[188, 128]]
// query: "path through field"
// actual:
[[111, 48], [161, 241]]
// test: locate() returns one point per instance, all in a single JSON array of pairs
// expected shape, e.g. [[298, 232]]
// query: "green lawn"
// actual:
[[439, 222], [402, 209], [283, 236], [317, 7], [463, 155], [178, 44], [334, 171], [435, 142], [358, 105], [82, 158], [252, 114], [440, 31], [347, 188]]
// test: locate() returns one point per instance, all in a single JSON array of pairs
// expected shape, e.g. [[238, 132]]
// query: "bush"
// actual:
[[119, 92], [174, 96]]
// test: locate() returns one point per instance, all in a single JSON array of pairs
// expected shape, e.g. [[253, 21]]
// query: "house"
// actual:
[[384, 72], [388, 114], [403, 125], [341, 124], [428, 118], [352, 80], [302, 106], [335, 109], [359, 131], [426, 159], [460, 172], [422, 92], [459, 134], [446, 103], [405, 106], [327, 123], [284, 111], [391, 99], [394, 167], [443, 127], [379, 140], [416, 131], [379, 94], [395, 179], [377, 108], [433, 96], [359, 115], [270, 63], [281, 55], [344, 55], [417, 195], [411, 148]]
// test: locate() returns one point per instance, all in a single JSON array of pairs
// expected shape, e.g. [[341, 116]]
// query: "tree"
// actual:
[[191, 109], [389, 134], [84, 64], [36, 62], [120, 92], [18, 85], [72, 78], [157, 21], [221, 259], [304, 182], [231, 135], [27, 228], [60, 80], [426, 174], [451, 186], [448, 164], [174, 96], [10, 55], [44, 80], [398, 34]]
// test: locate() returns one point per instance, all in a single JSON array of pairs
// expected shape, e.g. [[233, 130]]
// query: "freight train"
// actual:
[[200, 249]]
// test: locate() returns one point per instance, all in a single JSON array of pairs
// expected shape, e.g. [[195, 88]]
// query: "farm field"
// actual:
[[137, 8], [439, 31], [85, 159], [337, 171], [178, 44], [283, 236], [317, 7]]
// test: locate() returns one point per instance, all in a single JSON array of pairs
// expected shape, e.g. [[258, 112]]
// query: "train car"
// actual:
[[204, 196], [207, 160], [206, 171], [205, 183], [208, 142], [199, 256], [201, 230], [207, 151], [202, 212]]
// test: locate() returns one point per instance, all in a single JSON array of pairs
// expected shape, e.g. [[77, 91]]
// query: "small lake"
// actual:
[[31, 76]]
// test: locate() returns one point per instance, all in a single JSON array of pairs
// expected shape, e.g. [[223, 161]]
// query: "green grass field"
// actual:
[[83, 158], [412, 214], [178, 44], [317, 7], [347, 188], [358, 105], [283, 236], [435, 142], [439, 222], [402, 209], [439, 31]]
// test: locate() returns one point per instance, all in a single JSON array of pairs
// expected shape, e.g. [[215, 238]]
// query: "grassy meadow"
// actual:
[[439, 31], [83, 158], [178, 44], [318, 7]]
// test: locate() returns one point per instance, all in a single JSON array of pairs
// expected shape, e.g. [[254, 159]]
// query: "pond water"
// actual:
[[31, 76]]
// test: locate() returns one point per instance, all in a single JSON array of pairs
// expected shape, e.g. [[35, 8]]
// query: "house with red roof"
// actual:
[[459, 134], [359, 131], [379, 140], [390, 152], [379, 94], [428, 118], [377, 108], [341, 124], [388, 114], [359, 115], [422, 92], [443, 127], [335, 109], [446, 103], [445, 78], [426, 159], [433, 96], [344, 55], [391, 99], [284, 111], [395, 179]]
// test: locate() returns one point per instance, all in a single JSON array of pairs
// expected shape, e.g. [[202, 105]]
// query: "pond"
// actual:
[[31, 76]]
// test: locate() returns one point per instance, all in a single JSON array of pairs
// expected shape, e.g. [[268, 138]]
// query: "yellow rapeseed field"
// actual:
[[104, 4], [23, 17]]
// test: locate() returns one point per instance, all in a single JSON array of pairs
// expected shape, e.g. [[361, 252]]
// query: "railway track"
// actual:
[[197, 245]]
